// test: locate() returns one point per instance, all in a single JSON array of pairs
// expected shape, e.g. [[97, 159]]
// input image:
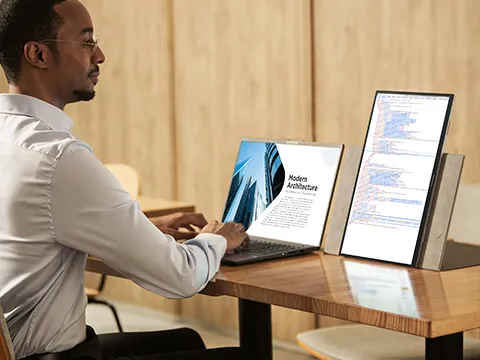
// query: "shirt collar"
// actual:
[[55, 118]]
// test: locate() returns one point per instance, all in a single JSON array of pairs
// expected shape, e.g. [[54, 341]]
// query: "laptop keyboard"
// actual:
[[265, 247]]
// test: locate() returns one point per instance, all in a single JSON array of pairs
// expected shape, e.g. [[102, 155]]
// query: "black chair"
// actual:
[[93, 294]]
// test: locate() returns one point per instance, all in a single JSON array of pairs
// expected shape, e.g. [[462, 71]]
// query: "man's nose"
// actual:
[[100, 56]]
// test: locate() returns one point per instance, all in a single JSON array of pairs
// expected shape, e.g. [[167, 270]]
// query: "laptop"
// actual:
[[281, 192]]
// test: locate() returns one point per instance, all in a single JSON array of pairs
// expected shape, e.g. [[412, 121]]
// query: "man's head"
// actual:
[[48, 49]]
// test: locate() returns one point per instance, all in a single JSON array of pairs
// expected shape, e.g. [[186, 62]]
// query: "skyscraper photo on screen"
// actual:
[[257, 180]]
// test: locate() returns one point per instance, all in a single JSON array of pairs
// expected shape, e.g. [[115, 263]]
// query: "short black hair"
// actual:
[[22, 21]]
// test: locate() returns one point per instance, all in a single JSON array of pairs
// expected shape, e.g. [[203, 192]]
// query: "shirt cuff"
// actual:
[[215, 240]]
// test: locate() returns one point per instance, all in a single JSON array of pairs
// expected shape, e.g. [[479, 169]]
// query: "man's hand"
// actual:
[[233, 232], [173, 224]]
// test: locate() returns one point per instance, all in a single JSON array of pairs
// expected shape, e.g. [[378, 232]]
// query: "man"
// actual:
[[59, 203]]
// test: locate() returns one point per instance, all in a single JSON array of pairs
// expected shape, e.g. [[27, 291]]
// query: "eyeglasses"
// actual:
[[92, 44]]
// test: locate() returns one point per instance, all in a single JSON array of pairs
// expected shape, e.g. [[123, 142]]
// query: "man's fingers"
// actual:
[[235, 226], [192, 219], [158, 221], [182, 235], [239, 227], [179, 235], [189, 228], [246, 241]]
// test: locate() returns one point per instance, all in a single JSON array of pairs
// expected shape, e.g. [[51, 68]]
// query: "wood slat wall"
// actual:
[[242, 68], [428, 45], [131, 120]]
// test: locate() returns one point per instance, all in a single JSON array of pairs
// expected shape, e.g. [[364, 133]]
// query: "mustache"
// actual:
[[94, 71]]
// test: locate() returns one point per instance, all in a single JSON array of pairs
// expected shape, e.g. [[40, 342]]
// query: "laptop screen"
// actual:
[[282, 191]]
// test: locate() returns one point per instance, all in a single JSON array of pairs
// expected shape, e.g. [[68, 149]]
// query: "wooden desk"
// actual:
[[438, 306], [153, 207]]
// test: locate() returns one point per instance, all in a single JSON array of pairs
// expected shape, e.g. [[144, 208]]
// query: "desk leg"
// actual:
[[255, 320], [449, 347]]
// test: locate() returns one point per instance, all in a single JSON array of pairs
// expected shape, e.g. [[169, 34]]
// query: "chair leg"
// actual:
[[114, 311]]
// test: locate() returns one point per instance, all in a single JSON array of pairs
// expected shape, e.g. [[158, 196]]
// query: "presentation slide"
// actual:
[[283, 191], [394, 177]]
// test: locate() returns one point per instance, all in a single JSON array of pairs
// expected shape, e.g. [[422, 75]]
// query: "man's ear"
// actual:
[[37, 54]]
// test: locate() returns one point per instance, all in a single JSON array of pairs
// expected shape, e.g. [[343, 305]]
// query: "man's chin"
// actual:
[[83, 95]]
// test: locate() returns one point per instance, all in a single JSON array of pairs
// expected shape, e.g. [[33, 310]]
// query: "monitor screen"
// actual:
[[394, 183], [283, 191]]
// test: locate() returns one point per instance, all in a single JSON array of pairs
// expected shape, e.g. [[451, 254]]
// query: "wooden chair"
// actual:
[[6, 345], [359, 342], [127, 176], [129, 179]]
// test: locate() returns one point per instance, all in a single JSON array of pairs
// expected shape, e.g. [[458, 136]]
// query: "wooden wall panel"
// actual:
[[428, 45], [3, 83], [130, 120], [242, 68]]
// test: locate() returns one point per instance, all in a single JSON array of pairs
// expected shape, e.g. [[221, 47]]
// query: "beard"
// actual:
[[83, 95]]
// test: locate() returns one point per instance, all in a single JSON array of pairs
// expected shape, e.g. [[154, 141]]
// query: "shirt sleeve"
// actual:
[[92, 213]]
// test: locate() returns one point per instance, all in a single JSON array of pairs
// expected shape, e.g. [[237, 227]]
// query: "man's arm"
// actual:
[[91, 212]]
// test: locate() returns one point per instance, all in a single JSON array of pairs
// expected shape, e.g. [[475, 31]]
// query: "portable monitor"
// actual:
[[395, 181]]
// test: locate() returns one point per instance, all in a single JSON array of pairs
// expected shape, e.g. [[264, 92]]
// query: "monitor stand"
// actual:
[[437, 252]]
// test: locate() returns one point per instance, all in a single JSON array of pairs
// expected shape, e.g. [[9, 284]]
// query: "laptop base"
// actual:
[[242, 258]]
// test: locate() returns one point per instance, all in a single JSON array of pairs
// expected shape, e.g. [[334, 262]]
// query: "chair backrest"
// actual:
[[127, 176], [465, 225], [6, 345]]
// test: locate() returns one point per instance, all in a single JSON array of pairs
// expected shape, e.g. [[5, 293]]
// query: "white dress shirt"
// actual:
[[59, 203]]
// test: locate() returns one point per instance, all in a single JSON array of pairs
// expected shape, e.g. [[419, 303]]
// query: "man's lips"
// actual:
[[94, 77]]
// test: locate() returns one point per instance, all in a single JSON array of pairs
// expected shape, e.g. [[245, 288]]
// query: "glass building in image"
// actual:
[[257, 180]]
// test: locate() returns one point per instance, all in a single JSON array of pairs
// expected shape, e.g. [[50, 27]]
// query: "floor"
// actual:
[[134, 318]]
